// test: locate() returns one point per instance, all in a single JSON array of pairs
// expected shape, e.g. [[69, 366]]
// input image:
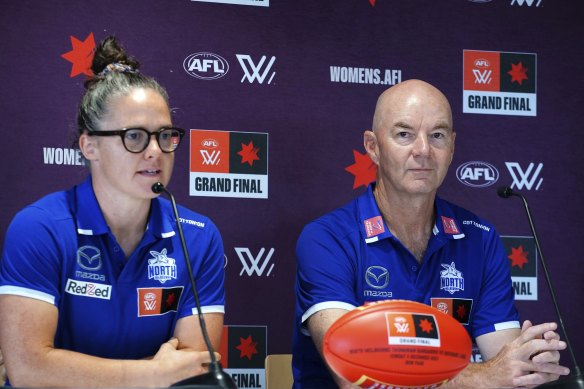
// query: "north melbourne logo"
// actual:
[[451, 280], [259, 71], [160, 267]]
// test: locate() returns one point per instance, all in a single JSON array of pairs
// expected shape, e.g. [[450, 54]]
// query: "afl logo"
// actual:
[[209, 143], [206, 66], [482, 63], [377, 277], [477, 174]]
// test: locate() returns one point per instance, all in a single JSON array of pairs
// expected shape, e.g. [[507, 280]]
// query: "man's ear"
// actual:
[[371, 146], [88, 146]]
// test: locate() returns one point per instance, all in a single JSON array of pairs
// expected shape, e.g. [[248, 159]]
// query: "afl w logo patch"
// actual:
[[158, 301]]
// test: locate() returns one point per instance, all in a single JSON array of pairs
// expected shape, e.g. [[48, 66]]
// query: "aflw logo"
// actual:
[[150, 301], [211, 158], [525, 178], [255, 71], [528, 2], [401, 325], [251, 264], [482, 76]]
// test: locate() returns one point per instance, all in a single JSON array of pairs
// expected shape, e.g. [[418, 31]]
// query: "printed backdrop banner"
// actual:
[[275, 96]]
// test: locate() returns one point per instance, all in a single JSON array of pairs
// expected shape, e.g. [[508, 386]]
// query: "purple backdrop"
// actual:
[[315, 122]]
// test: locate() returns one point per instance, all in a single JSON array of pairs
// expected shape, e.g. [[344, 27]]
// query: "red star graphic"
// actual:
[[425, 325], [363, 169], [249, 153], [518, 257], [372, 3], [247, 347], [81, 55], [518, 73], [461, 311], [170, 300]]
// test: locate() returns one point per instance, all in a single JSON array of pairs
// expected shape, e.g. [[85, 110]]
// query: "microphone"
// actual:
[[216, 378], [576, 380]]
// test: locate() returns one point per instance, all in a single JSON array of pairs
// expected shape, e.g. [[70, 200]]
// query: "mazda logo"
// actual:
[[89, 258], [377, 277]]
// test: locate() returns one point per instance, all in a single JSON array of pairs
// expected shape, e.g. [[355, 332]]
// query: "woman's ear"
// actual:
[[88, 147]]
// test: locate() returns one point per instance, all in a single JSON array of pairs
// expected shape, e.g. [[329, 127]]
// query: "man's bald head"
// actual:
[[404, 93]]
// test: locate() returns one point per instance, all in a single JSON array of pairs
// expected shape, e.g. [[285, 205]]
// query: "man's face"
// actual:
[[413, 140]]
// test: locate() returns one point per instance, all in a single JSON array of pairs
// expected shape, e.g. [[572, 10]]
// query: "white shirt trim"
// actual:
[[506, 325], [321, 306], [210, 309], [168, 234], [371, 240], [81, 231], [25, 292]]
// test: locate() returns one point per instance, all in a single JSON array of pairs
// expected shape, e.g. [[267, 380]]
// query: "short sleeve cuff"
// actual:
[[321, 306], [26, 292]]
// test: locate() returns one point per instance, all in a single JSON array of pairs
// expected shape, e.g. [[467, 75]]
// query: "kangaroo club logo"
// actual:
[[451, 280], [160, 267]]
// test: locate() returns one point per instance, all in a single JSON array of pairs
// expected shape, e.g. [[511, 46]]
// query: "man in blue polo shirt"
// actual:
[[400, 241]]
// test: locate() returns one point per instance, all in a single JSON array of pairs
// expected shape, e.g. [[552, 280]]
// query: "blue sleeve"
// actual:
[[495, 308], [30, 263], [207, 261], [326, 269]]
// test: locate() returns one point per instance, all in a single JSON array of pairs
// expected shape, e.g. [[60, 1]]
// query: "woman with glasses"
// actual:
[[94, 291]]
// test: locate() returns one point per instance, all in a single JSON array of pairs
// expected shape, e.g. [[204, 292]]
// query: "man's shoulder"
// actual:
[[464, 216]]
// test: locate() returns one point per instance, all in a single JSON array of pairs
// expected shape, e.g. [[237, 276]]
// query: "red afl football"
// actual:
[[397, 343]]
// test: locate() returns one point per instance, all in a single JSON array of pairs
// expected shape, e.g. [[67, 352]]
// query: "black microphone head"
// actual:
[[505, 192], [157, 187]]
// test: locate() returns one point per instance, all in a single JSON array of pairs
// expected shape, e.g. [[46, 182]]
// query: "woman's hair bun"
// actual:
[[108, 52]]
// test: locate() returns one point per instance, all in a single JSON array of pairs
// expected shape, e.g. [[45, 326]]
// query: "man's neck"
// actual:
[[409, 218]]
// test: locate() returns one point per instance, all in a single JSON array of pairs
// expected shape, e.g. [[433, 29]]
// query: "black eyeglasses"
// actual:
[[136, 140]]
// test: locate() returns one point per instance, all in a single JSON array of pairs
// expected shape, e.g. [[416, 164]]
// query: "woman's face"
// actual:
[[114, 169]]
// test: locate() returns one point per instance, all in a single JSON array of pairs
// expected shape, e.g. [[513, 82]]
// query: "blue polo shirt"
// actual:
[[60, 250], [349, 257]]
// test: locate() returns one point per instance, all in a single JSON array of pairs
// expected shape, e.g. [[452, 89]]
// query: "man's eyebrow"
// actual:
[[443, 125], [401, 124]]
